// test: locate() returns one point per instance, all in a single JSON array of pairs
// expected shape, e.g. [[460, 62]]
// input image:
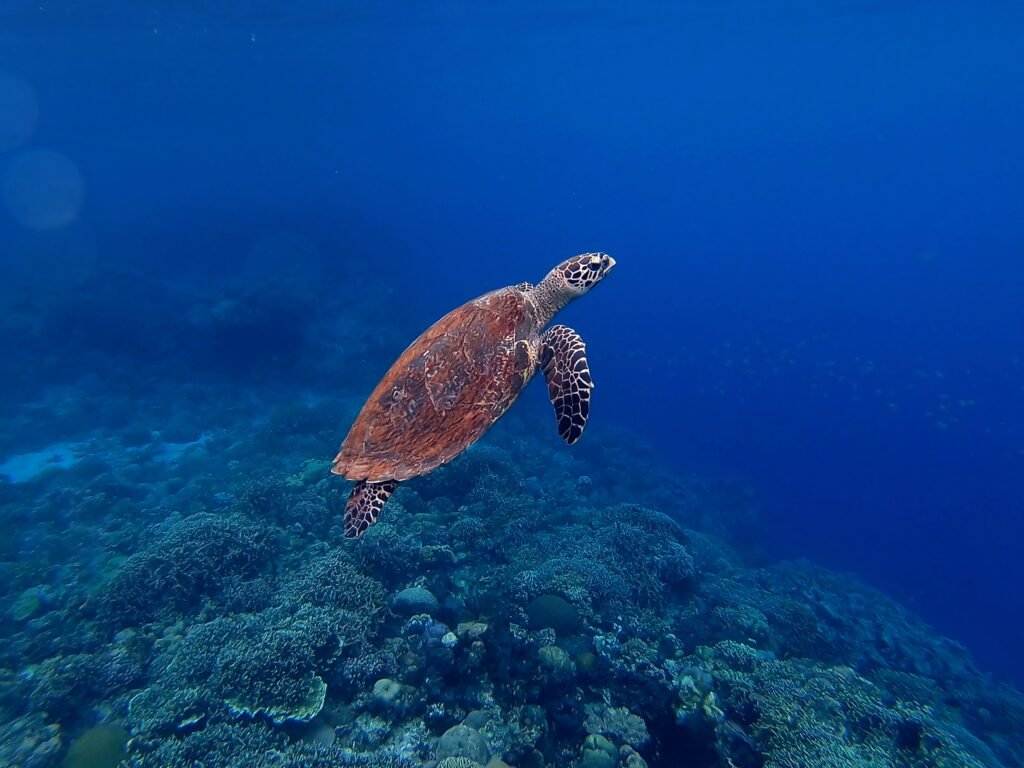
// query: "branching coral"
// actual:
[[802, 714], [189, 559]]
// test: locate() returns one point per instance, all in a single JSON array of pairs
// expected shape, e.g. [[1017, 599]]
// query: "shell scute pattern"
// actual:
[[443, 393]]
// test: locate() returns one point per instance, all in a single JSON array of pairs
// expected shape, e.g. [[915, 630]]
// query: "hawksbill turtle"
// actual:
[[460, 376]]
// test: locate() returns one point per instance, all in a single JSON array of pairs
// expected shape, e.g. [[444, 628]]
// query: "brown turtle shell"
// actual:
[[445, 391]]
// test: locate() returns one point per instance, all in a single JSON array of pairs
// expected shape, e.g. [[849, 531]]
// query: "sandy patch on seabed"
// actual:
[[23, 467]]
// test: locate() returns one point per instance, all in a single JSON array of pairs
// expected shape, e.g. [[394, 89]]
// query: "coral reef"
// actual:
[[515, 608]]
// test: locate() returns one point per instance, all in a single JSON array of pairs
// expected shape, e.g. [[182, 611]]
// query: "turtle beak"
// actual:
[[611, 263]]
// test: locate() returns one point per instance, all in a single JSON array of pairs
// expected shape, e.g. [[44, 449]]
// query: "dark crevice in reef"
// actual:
[[692, 745]]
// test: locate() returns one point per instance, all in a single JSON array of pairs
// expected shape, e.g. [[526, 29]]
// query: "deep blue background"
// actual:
[[816, 208]]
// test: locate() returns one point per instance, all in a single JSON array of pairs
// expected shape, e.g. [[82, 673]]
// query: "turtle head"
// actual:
[[569, 280], [581, 273]]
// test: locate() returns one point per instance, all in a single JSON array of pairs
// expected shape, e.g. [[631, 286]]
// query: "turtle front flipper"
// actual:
[[563, 360], [364, 505]]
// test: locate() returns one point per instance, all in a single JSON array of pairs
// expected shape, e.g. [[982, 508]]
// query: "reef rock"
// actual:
[[414, 600], [463, 741]]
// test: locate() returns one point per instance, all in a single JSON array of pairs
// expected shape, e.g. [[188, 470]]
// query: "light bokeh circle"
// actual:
[[42, 189]]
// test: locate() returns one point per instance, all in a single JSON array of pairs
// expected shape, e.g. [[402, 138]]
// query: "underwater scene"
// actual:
[[511, 384]]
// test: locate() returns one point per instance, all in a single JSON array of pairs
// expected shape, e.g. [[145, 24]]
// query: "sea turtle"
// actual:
[[460, 376]]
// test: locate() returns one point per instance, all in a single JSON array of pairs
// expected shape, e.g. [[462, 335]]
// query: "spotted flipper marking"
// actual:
[[563, 360], [364, 505]]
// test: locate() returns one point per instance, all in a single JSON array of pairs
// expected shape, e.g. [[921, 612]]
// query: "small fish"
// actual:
[[735, 731]]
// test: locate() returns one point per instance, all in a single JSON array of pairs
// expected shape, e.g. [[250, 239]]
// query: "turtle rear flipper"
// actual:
[[364, 505], [563, 360]]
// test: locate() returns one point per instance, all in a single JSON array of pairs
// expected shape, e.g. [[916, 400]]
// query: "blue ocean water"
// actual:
[[215, 219]]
